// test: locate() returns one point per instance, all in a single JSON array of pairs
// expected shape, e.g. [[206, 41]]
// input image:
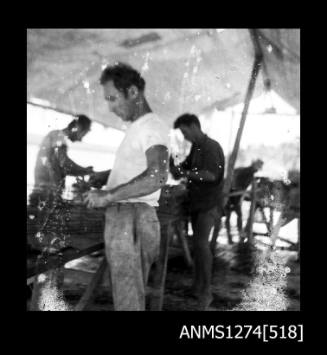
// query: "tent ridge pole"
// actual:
[[254, 74]]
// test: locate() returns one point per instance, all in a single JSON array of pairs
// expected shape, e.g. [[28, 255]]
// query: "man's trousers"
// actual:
[[132, 241]]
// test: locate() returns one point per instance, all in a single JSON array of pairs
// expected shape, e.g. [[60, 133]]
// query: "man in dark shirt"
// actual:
[[243, 176], [204, 171]]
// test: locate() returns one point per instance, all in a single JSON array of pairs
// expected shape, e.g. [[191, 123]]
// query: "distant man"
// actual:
[[53, 164], [132, 230], [204, 170], [242, 179]]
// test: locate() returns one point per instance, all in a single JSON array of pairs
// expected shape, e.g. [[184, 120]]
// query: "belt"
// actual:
[[126, 203]]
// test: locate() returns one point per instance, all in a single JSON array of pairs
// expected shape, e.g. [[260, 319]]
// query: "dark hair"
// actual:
[[123, 77], [257, 162], [187, 119], [81, 120]]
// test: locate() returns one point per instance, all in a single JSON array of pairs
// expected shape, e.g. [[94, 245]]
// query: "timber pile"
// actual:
[[77, 225]]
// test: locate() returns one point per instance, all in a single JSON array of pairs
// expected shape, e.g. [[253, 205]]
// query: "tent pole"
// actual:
[[255, 70], [67, 112]]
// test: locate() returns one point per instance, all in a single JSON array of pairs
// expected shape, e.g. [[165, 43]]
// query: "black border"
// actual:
[[160, 328]]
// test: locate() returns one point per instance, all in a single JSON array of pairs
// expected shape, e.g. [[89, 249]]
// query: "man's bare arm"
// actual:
[[179, 170], [68, 165], [152, 179]]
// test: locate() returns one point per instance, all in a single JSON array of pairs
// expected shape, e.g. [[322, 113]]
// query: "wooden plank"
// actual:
[[238, 193], [298, 240], [249, 225], [249, 93], [280, 238], [265, 221], [89, 294], [156, 300], [182, 238], [54, 261], [66, 112], [276, 247]]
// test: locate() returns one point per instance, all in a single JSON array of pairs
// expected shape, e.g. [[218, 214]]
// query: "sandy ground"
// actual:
[[243, 279], [236, 286]]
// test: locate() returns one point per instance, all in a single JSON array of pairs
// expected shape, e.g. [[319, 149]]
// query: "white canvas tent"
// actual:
[[186, 70]]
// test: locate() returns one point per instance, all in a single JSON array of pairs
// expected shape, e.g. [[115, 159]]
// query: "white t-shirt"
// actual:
[[130, 159]]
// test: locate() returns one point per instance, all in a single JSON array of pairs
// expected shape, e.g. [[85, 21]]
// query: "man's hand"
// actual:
[[98, 179], [96, 199], [182, 173], [177, 171]]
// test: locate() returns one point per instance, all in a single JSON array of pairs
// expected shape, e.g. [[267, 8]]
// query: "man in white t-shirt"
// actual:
[[132, 230]]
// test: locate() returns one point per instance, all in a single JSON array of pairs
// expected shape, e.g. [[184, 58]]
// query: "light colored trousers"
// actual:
[[132, 241]]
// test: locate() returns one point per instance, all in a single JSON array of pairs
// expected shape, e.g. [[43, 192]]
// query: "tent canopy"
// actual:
[[186, 70]]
